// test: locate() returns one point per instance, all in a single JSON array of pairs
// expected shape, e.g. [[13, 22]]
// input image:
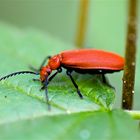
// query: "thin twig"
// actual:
[[130, 55]]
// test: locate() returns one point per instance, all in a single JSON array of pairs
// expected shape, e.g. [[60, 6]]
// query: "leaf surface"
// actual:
[[23, 109]]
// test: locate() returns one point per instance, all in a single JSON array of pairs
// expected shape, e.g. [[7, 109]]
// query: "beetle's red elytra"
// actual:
[[90, 61]]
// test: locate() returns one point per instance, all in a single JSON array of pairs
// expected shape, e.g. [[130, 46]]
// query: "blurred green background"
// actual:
[[106, 27]]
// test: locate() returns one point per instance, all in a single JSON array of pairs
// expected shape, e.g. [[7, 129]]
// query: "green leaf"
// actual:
[[19, 49], [115, 125], [23, 109]]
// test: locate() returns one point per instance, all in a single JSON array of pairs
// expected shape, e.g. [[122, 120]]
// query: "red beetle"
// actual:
[[90, 61]]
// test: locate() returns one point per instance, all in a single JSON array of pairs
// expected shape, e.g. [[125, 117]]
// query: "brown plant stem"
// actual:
[[130, 56], [81, 29]]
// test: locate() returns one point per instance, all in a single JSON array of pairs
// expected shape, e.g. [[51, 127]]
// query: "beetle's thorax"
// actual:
[[53, 64]]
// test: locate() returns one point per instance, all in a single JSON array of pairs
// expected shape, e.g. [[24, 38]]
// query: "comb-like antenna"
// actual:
[[17, 73]]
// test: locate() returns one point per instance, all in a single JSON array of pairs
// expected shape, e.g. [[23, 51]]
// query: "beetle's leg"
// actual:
[[50, 78], [105, 81], [59, 70], [42, 64], [74, 83], [45, 85], [46, 93], [44, 61]]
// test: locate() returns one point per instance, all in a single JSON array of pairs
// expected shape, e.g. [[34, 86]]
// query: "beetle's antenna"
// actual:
[[17, 73]]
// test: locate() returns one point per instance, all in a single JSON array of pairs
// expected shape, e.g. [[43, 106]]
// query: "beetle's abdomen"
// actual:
[[92, 59]]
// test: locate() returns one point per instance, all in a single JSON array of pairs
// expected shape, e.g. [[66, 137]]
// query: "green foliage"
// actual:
[[114, 125], [23, 108]]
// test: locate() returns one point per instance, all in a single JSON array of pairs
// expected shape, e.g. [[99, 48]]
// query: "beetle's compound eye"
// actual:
[[54, 62]]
